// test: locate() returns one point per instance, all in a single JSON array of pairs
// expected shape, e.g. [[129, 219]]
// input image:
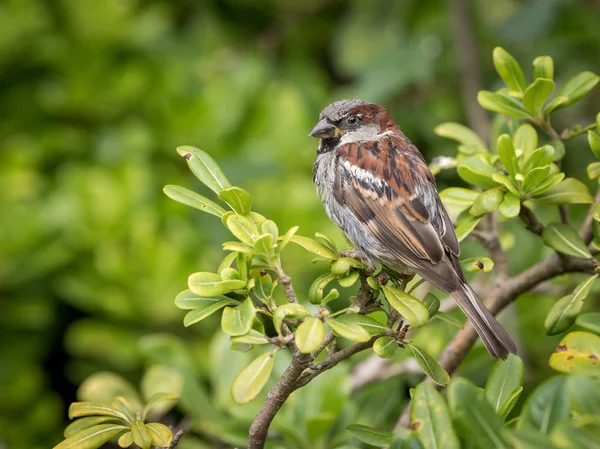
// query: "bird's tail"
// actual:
[[495, 338]]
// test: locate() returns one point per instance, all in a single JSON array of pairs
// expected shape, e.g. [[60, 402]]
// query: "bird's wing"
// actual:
[[389, 187]]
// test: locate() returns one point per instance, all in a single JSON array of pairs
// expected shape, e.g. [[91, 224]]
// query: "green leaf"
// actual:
[[577, 351], [291, 310], [285, 239], [79, 409], [584, 392], [91, 438], [535, 177], [198, 314], [314, 247], [537, 94], [125, 440], [474, 264], [525, 140], [309, 335], [205, 168], [370, 435], [408, 306], [460, 133], [589, 321], [192, 199], [550, 182], [543, 67], [140, 435], [538, 158], [242, 228], [253, 337], [577, 434], [504, 381], [432, 303], [430, 367], [350, 331], [477, 170], [487, 201], [594, 141], [161, 379], [161, 435], [238, 321], [508, 157], [568, 191], [238, 247], [385, 347], [474, 417], [563, 313], [211, 284], [188, 300], [252, 379], [546, 406], [457, 200], [160, 403], [573, 90], [264, 245], [85, 423], [238, 199], [506, 182], [509, 70], [430, 418], [501, 104], [593, 170], [349, 280], [465, 226], [333, 294], [565, 239], [315, 292], [530, 439], [343, 265], [510, 205], [372, 326], [450, 319]]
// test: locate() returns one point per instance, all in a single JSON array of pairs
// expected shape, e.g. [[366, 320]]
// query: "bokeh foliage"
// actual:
[[94, 95]]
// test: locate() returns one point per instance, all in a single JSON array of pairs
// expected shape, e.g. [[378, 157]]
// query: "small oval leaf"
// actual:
[[192, 199], [309, 335], [577, 352], [238, 199], [204, 167], [238, 320], [506, 378], [429, 365], [408, 306], [565, 239], [252, 379]]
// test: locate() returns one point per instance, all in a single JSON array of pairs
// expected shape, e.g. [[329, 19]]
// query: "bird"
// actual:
[[377, 187]]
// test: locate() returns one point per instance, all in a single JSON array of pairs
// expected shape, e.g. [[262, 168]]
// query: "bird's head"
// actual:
[[352, 121]]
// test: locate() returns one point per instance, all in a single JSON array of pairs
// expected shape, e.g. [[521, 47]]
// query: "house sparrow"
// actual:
[[377, 187]]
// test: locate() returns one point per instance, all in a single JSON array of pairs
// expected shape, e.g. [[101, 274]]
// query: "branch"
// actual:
[[285, 386], [586, 228], [286, 281], [502, 295], [530, 220], [178, 432]]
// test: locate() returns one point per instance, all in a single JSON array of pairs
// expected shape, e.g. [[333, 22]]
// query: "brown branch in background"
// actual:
[[502, 295], [530, 220], [586, 228], [470, 75]]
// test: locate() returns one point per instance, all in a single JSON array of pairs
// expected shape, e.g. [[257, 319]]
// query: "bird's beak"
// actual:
[[325, 130]]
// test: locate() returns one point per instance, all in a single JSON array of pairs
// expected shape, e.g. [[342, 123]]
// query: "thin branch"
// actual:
[[336, 357], [586, 228], [530, 220], [178, 432], [285, 386], [376, 369], [286, 281], [502, 295], [470, 75]]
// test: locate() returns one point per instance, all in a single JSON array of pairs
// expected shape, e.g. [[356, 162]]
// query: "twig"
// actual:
[[502, 295], [286, 281], [530, 220], [374, 369], [285, 386], [336, 357], [586, 228], [178, 432]]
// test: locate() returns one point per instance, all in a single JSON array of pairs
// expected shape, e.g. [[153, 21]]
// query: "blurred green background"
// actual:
[[96, 94]]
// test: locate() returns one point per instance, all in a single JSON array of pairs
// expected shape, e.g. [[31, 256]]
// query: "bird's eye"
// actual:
[[352, 120]]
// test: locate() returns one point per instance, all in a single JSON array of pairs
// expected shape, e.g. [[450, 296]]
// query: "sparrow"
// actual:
[[376, 186]]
